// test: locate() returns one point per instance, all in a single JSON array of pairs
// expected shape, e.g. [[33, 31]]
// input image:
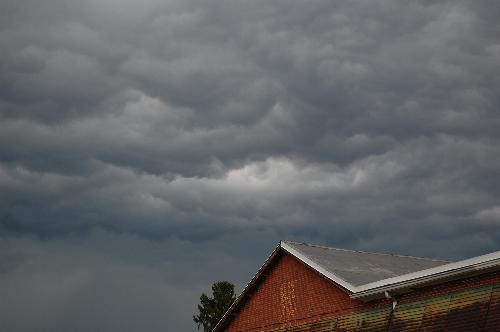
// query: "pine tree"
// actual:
[[211, 309]]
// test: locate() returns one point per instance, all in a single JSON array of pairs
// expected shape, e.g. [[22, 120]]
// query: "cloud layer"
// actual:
[[148, 149]]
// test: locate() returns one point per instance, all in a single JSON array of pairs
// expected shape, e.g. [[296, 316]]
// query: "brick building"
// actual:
[[304, 287]]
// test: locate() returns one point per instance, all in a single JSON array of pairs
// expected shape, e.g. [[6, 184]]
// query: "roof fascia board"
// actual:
[[429, 275], [317, 267]]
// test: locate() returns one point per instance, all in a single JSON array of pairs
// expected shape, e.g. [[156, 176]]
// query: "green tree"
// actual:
[[211, 309]]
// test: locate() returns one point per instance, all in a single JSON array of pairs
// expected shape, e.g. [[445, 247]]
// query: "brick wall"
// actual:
[[293, 297], [291, 293]]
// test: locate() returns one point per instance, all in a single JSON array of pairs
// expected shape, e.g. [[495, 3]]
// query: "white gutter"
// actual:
[[409, 280]]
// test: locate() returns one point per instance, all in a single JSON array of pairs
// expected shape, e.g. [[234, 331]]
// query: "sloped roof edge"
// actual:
[[222, 322], [336, 279]]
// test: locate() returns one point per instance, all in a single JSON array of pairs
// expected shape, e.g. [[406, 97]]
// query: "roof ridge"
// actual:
[[366, 252]]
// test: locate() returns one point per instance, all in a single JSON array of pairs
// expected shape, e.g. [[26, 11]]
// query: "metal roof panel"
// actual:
[[360, 267]]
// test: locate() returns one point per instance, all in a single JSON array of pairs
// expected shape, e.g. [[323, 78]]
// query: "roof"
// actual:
[[360, 267], [368, 275]]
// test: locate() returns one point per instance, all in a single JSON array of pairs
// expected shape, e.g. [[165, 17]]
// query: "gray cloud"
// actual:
[[103, 282], [149, 149]]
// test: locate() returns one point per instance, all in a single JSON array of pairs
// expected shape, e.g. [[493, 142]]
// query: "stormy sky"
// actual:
[[149, 148]]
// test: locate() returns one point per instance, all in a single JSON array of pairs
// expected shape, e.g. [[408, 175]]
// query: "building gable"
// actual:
[[303, 287], [289, 293]]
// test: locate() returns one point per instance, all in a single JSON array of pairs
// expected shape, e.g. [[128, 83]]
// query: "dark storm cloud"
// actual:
[[103, 282], [146, 147]]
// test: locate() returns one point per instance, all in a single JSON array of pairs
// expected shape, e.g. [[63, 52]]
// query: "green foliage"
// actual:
[[211, 309]]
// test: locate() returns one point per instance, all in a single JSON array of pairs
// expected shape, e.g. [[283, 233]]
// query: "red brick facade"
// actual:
[[293, 297], [290, 293]]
